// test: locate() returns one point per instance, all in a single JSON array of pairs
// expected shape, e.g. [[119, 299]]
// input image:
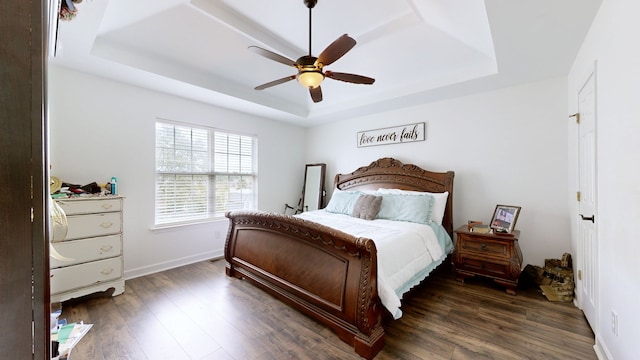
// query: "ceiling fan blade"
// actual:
[[275, 82], [316, 94], [336, 50], [273, 56], [350, 78]]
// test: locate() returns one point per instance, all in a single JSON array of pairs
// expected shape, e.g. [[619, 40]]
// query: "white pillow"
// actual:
[[439, 201], [367, 191]]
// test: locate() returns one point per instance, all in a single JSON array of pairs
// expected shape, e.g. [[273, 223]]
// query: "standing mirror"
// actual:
[[313, 190]]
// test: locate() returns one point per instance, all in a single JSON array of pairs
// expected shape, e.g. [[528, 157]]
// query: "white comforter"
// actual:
[[407, 251]]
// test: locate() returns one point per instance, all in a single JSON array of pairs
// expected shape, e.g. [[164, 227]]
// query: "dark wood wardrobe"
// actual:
[[24, 254]]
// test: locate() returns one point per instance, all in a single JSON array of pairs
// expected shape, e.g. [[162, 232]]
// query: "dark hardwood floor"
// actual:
[[197, 312]]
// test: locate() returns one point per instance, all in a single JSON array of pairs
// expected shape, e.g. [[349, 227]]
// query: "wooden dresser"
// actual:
[[494, 256], [93, 248]]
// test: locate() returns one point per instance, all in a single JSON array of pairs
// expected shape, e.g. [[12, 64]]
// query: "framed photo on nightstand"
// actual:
[[504, 218]]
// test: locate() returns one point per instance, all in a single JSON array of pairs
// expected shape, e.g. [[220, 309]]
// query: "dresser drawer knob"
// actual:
[[107, 206], [483, 246], [106, 248], [106, 225], [106, 271]]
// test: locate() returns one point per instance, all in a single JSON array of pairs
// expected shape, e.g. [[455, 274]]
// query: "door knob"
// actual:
[[591, 218]]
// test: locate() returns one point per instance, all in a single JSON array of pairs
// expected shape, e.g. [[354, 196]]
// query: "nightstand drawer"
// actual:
[[484, 246], [484, 267]]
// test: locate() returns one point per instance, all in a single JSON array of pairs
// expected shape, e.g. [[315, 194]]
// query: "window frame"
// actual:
[[212, 174]]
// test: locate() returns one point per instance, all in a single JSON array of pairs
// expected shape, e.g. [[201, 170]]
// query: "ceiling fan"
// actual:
[[310, 69]]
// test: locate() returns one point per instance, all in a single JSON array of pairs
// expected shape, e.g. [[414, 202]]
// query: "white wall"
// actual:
[[613, 43], [506, 147], [101, 128]]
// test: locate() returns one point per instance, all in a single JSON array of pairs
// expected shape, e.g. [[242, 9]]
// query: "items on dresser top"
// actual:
[[61, 189]]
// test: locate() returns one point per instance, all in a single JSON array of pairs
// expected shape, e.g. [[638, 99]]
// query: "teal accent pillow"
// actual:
[[439, 201], [401, 207], [342, 202]]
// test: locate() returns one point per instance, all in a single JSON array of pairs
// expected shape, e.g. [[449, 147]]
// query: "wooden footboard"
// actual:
[[325, 273]]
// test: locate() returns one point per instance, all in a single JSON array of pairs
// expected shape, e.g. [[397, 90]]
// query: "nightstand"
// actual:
[[491, 255]]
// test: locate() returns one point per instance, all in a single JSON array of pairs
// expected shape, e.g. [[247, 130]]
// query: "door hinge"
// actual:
[[578, 196], [579, 274], [31, 214], [577, 116]]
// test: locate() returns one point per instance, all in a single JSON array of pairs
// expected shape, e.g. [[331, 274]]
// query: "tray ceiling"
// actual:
[[417, 50]]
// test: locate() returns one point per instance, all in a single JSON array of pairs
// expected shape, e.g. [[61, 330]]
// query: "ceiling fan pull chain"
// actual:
[[310, 30]]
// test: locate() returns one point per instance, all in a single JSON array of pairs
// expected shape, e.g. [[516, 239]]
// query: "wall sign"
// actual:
[[392, 135]]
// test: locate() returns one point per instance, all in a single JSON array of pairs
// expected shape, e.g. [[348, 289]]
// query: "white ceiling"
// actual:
[[417, 50]]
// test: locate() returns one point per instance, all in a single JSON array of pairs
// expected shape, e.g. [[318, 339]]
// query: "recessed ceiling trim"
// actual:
[[245, 26], [132, 58], [398, 24], [470, 27]]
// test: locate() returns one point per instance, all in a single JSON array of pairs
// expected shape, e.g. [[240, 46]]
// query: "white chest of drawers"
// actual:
[[93, 248]]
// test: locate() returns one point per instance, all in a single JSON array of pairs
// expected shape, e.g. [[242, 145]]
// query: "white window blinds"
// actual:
[[201, 173]]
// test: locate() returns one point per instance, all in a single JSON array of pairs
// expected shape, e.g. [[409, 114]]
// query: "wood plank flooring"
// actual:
[[196, 312]]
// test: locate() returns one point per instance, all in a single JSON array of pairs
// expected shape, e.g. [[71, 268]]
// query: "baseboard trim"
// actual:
[[154, 268], [601, 350]]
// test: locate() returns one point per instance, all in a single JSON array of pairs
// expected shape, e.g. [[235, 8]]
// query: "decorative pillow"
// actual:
[[403, 207], [367, 206], [342, 202], [439, 201]]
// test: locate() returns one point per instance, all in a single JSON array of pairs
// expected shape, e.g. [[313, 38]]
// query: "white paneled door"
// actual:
[[587, 283]]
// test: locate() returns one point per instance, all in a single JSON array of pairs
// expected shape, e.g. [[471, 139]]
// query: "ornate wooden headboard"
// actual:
[[391, 173]]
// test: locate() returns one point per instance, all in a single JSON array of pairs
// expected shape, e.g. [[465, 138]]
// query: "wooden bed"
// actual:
[[327, 274]]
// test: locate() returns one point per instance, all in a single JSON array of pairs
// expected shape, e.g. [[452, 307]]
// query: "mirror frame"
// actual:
[[312, 183]]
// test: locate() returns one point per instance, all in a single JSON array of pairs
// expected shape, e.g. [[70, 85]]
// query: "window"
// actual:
[[201, 173]]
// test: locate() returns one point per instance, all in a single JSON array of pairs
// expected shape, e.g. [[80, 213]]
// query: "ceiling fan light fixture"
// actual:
[[310, 68], [310, 79]]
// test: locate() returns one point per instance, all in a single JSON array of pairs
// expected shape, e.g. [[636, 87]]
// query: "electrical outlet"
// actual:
[[217, 235], [614, 322]]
